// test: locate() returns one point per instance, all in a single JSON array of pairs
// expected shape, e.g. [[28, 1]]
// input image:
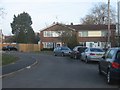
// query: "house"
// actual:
[[49, 37], [94, 35], [88, 35]]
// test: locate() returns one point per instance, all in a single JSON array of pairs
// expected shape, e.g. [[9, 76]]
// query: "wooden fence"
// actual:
[[24, 47]]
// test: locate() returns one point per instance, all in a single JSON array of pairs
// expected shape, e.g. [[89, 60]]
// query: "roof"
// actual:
[[91, 27], [83, 27], [55, 24]]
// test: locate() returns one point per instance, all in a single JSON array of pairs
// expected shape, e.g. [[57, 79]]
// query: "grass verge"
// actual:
[[7, 59]]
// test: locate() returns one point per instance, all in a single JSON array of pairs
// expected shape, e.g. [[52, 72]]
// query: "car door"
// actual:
[[83, 54], [73, 52], [59, 51], [108, 59]]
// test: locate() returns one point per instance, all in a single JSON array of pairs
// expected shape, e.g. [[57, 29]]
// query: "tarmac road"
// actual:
[[57, 72]]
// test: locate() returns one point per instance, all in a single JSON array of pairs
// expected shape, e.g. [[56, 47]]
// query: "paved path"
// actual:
[[23, 62]]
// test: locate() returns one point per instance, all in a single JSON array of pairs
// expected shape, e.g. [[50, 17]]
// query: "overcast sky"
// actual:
[[45, 12]]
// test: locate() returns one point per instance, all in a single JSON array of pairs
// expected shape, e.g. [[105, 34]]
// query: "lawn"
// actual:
[[7, 59]]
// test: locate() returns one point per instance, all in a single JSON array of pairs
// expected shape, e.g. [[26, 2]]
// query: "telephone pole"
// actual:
[[118, 23], [109, 32]]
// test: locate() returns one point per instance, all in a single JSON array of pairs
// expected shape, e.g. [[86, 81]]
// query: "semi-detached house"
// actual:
[[87, 35]]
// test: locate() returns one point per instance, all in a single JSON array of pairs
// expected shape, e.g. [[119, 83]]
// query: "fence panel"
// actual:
[[24, 47]]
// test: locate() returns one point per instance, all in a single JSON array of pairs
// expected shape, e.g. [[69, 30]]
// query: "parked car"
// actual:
[[109, 65], [9, 48], [62, 50], [76, 52], [92, 54]]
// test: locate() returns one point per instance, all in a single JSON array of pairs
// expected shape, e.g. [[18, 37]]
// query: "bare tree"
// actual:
[[69, 38], [99, 15], [2, 13]]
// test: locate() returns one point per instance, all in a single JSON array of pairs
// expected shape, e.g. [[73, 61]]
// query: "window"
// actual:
[[47, 44], [94, 33], [83, 34], [110, 54], [51, 33], [96, 50], [86, 50], [64, 48], [47, 34], [103, 33], [90, 33], [118, 56], [80, 34], [82, 43]]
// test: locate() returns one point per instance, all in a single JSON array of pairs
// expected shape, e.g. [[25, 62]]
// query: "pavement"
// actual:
[[25, 61]]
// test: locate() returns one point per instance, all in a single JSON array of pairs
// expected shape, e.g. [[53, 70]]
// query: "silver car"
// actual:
[[63, 51], [92, 54]]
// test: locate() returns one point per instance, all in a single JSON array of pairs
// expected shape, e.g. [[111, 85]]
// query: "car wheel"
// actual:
[[99, 68], [109, 79], [63, 54], [71, 56], [55, 54]]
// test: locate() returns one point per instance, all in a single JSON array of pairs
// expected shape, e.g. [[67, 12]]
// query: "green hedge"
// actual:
[[47, 49]]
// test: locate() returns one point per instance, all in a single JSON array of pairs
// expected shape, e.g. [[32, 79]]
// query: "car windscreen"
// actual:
[[65, 48], [96, 50]]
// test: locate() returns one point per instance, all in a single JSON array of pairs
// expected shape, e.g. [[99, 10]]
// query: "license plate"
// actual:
[[99, 54]]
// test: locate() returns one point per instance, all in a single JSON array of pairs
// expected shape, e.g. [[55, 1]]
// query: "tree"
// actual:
[[22, 29], [99, 15], [37, 38], [2, 12], [69, 38]]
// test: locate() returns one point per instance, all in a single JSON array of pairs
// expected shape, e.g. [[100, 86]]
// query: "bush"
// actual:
[[47, 49]]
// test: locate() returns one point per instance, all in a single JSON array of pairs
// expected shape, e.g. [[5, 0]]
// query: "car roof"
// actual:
[[81, 46], [116, 48], [94, 47]]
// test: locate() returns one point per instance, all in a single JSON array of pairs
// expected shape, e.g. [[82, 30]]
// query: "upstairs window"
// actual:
[[51, 33]]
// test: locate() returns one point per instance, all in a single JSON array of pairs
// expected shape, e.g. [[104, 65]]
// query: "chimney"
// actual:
[[71, 23]]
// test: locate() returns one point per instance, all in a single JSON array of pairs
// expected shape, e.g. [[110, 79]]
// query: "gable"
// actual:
[[57, 27]]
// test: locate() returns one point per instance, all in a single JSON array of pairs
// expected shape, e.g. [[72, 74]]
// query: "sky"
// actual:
[[45, 12]]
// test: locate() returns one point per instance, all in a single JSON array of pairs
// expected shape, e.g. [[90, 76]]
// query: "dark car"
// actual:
[[76, 52], [109, 65], [62, 50], [9, 48]]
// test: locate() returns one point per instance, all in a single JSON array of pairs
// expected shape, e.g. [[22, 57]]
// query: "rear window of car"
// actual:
[[64, 48], [96, 50]]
